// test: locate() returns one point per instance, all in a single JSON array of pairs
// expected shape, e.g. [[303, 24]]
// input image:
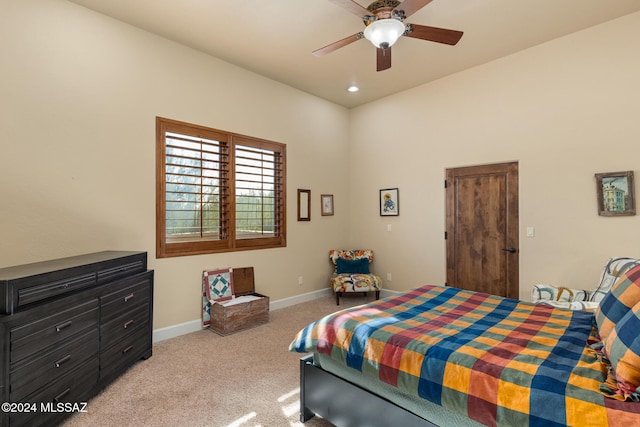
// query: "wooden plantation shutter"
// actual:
[[217, 191], [195, 188], [259, 192]]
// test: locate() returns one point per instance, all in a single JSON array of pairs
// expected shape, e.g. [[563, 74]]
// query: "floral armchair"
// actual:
[[580, 299], [351, 272]]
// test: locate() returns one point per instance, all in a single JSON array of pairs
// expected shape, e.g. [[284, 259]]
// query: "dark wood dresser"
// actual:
[[69, 327]]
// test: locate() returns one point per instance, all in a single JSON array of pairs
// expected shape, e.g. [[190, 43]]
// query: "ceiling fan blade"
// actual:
[[383, 59], [412, 6], [352, 7], [337, 45], [433, 34]]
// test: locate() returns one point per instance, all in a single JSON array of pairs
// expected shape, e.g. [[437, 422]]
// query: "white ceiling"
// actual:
[[275, 38]]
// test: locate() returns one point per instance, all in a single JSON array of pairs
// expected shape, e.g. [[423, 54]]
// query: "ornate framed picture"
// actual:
[[615, 194], [326, 204], [389, 202]]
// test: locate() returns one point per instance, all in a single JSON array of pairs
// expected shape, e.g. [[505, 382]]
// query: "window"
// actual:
[[217, 191]]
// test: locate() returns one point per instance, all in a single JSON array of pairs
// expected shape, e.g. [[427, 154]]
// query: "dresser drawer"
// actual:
[[121, 355], [35, 336], [134, 293], [49, 290], [46, 367], [136, 264], [75, 387], [124, 325]]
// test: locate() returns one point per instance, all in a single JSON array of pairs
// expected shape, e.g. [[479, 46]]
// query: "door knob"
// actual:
[[510, 250]]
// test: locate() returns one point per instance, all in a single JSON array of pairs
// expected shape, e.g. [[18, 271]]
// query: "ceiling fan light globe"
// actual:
[[383, 33]]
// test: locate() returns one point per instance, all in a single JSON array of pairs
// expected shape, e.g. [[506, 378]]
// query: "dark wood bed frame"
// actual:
[[346, 404]]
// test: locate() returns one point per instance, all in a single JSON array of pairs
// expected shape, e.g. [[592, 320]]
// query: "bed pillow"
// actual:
[[624, 294], [352, 266], [610, 274], [622, 348]]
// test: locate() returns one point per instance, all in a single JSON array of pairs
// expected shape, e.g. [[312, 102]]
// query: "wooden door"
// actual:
[[482, 228]]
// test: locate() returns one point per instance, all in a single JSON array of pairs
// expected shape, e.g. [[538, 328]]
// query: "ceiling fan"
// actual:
[[384, 24]]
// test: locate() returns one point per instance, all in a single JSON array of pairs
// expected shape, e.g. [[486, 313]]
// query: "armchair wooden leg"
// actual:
[[338, 298], [377, 294]]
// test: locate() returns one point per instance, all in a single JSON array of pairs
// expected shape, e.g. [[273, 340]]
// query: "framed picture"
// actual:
[[326, 204], [304, 205], [389, 202], [615, 194]]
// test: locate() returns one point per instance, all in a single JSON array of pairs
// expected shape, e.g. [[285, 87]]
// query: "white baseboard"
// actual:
[[389, 293], [298, 299], [173, 331]]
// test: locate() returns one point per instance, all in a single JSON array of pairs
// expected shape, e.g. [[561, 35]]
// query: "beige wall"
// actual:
[[564, 110], [79, 93]]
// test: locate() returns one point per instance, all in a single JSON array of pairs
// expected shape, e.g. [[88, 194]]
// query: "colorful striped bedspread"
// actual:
[[499, 361]]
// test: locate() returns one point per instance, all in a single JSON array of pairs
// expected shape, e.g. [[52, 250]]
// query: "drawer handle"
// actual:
[[128, 323], [127, 350], [63, 360], [59, 397], [128, 297], [62, 326]]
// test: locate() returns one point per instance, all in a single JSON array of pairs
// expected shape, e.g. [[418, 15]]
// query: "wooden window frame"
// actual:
[[227, 240]]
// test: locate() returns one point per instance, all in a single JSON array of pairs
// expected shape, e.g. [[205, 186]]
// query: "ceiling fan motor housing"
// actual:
[[383, 4], [383, 9]]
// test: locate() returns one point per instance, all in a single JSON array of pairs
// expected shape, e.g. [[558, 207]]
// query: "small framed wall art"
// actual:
[[615, 194], [304, 205], [326, 204], [389, 202]]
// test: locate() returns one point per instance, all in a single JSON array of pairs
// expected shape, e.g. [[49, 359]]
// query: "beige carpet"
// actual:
[[247, 379]]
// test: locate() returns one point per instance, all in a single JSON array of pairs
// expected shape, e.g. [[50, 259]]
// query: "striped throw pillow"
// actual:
[[624, 294], [610, 274]]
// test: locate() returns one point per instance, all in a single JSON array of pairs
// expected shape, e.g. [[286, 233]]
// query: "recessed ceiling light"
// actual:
[[353, 88]]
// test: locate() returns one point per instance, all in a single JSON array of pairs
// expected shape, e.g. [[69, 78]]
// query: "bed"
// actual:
[[440, 356]]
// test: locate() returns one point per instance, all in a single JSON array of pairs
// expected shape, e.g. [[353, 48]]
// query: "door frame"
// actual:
[[512, 216]]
